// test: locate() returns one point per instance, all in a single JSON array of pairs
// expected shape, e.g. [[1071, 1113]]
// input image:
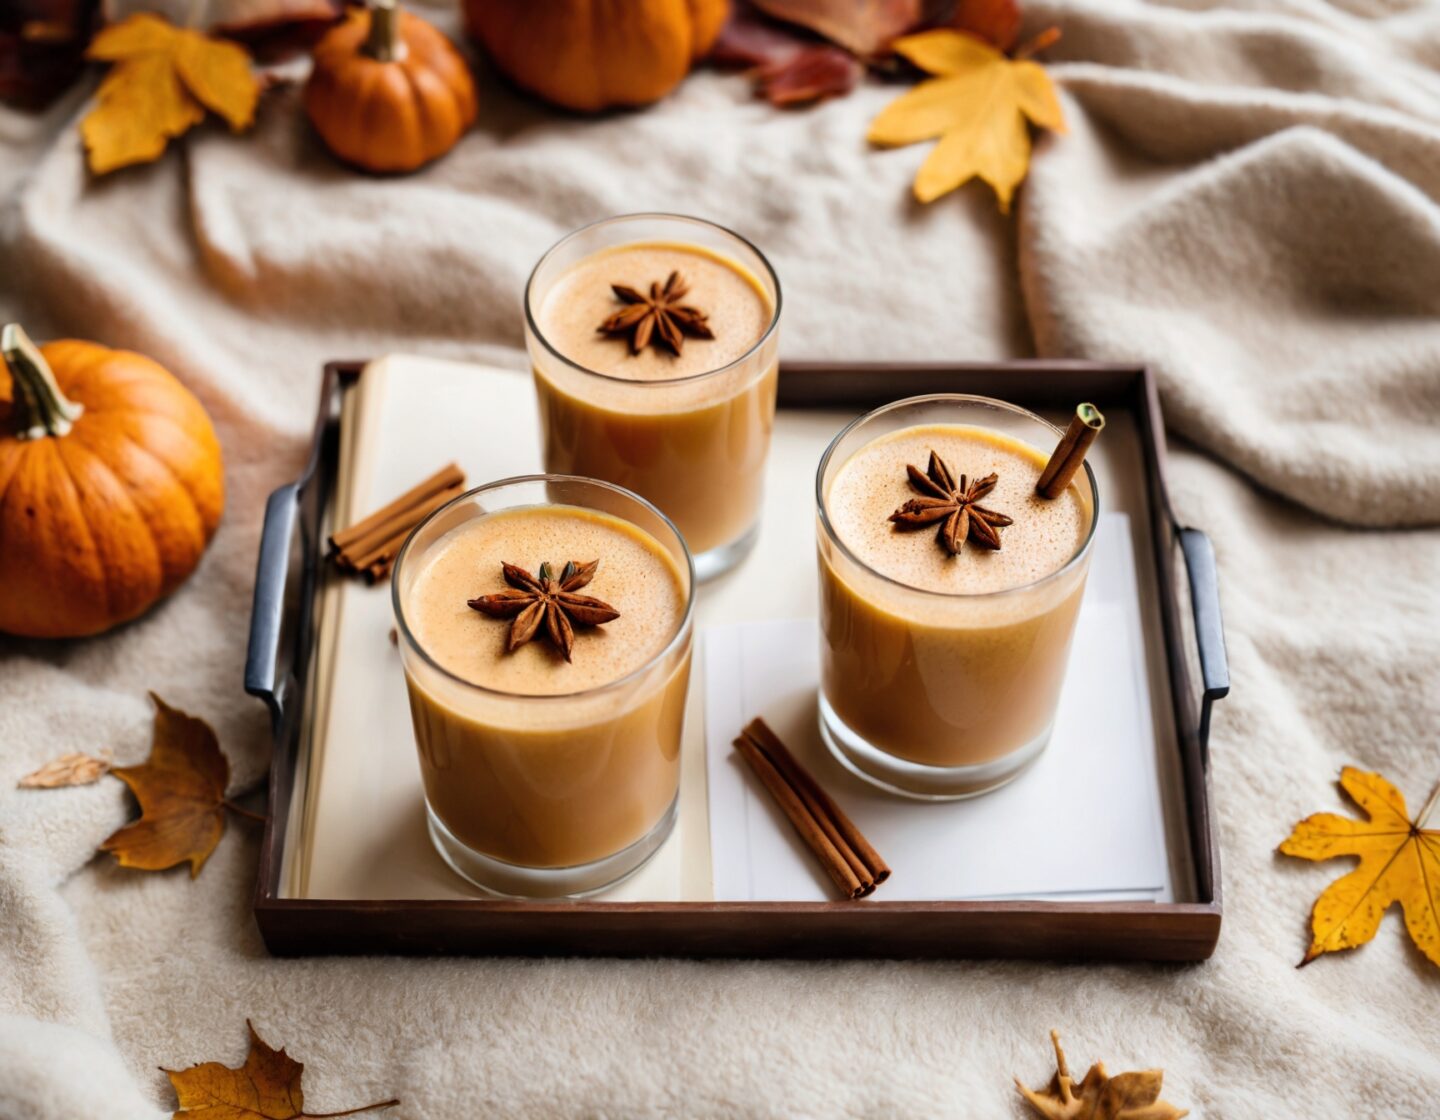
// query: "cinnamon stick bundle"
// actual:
[[1069, 453], [371, 544], [846, 855]]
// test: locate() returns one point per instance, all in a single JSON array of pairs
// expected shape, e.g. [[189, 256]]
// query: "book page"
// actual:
[[366, 835]]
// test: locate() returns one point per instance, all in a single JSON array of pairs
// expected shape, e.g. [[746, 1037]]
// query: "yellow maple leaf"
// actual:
[[978, 105], [218, 74], [163, 79], [1399, 862]]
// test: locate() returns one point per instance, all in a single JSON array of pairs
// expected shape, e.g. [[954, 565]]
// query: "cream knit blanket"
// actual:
[[1248, 199]]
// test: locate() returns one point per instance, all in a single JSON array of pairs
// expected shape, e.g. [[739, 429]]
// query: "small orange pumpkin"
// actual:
[[111, 486], [594, 54], [388, 92]]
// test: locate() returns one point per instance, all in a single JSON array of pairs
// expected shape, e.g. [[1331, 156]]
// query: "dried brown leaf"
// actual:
[[266, 1087], [1126, 1096], [810, 74], [181, 791], [995, 21], [68, 770], [863, 27]]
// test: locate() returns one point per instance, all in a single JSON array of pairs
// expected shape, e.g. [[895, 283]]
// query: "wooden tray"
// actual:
[[281, 639]]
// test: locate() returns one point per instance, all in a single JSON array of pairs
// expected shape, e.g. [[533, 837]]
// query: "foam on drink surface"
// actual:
[[636, 576], [581, 299], [873, 483]]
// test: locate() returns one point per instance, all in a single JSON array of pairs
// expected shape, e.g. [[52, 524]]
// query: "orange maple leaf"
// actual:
[[978, 105], [163, 80], [1399, 862], [266, 1087]]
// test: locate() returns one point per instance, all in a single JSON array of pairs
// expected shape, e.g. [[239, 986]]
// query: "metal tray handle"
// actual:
[[1209, 630], [267, 614]]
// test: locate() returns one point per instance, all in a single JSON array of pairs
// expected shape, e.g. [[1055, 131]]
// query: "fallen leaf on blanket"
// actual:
[[266, 1087], [181, 791], [1126, 1096], [787, 67], [269, 28], [68, 770], [810, 74], [864, 27], [1399, 862], [163, 79], [995, 21], [978, 105]]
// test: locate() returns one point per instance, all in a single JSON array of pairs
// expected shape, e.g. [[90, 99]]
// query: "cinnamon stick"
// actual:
[[372, 543], [843, 851], [822, 805], [805, 824], [1085, 425], [405, 520], [446, 478], [384, 543]]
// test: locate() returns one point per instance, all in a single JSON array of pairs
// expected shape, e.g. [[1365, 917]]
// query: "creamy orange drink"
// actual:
[[653, 340], [949, 590], [546, 642]]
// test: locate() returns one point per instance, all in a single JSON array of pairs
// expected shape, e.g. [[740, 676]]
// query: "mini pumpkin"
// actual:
[[595, 54], [111, 486], [388, 92]]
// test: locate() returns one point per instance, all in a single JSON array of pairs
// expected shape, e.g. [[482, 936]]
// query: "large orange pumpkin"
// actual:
[[110, 486], [388, 92], [594, 54]]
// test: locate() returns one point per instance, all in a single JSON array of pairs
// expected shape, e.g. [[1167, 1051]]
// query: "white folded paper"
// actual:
[[1084, 822]]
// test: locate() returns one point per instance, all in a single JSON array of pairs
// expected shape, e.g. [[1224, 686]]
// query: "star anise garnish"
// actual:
[[955, 507], [543, 598], [658, 318]]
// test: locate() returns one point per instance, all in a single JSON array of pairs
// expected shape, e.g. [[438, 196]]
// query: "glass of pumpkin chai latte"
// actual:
[[544, 626], [654, 341], [949, 590]]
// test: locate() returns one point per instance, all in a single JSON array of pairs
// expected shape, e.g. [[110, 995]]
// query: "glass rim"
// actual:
[[688, 379], [682, 630], [951, 596]]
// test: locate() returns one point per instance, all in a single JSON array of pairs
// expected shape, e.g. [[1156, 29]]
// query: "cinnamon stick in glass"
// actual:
[[843, 851], [1069, 454]]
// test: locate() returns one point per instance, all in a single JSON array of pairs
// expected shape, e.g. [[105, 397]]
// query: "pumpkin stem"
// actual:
[[39, 408], [384, 43]]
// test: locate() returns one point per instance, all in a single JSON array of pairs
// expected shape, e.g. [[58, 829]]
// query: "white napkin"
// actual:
[[1085, 821]]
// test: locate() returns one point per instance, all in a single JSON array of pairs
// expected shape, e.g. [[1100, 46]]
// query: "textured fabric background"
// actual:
[[1248, 199]]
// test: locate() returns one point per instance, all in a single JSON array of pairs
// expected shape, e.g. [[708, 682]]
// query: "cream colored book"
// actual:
[[357, 828]]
